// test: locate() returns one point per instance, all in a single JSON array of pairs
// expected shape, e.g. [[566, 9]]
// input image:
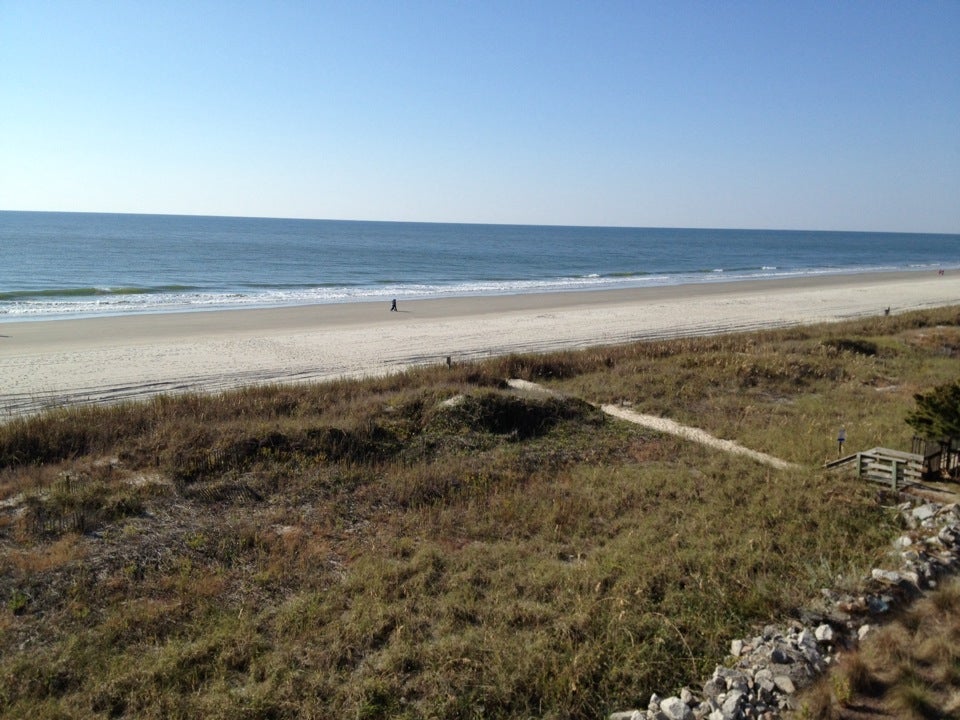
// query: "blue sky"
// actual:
[[766, 114]]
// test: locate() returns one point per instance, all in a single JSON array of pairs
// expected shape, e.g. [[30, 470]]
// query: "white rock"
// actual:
[[785, 684], [676, 709], [824, 633], [731, 704], [887, 576], [714, 687], [925, 512]]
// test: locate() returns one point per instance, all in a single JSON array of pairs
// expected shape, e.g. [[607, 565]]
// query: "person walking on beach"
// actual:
[[393, 305]]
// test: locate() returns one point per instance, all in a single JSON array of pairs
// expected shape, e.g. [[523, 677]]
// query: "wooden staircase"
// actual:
[[893, 468]]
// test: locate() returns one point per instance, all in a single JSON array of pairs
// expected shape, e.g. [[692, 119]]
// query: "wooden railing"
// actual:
[[883, 465]]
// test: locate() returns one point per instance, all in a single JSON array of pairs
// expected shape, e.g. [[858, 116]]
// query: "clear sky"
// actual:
[[765, 114]]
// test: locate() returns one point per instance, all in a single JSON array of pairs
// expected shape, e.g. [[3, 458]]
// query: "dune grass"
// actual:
[[908, 669], [434, 545]]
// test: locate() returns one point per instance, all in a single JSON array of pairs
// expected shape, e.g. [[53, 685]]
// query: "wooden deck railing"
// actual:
[[883, 465]]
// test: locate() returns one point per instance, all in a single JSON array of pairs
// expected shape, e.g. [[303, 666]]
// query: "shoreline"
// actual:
[[553, 297], [50, 363]]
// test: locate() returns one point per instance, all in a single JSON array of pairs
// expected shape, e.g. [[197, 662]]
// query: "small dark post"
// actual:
[[841, 438], [449, 362]]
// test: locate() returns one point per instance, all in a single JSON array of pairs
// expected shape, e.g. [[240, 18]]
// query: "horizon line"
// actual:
[[491, 224]]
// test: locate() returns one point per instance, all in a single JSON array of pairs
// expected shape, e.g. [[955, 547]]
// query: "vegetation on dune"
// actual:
[[434, 544], [937, 414], [906, 670]]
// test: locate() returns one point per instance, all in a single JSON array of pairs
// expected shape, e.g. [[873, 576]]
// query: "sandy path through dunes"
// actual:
[[693, 434], [667, 426], [48, 363]]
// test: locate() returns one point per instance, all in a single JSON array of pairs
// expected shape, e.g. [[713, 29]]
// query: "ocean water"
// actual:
[[55, 265]]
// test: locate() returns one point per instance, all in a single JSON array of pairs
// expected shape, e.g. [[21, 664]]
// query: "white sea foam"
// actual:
[[194, 301], [124, 264]]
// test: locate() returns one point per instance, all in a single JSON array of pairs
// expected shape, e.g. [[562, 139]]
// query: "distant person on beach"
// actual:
[[393, 305]]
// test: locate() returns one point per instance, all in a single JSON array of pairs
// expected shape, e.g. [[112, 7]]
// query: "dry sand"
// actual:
[[58, 362]]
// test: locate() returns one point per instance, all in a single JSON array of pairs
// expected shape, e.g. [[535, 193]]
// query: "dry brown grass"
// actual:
[[42, 558], [358, 549], [908, 669]]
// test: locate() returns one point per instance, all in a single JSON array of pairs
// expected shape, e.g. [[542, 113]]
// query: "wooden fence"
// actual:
[[883, 465]]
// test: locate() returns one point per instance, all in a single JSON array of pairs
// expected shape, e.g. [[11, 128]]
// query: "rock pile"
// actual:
[[767, 669]]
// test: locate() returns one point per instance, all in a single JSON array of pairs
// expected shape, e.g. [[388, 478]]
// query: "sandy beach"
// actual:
[[60, 362]]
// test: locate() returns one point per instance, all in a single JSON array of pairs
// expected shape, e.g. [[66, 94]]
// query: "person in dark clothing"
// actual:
[[393, 305]]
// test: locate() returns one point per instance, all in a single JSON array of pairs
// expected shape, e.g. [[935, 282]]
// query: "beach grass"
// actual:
[[434, 544], [908, 669]]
